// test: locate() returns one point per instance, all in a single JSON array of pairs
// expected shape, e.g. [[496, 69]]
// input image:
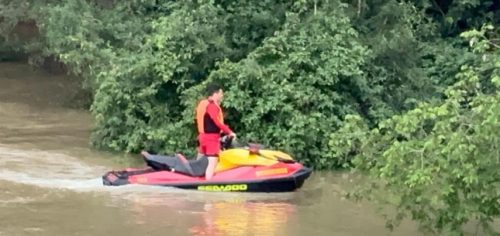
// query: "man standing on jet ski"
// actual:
[[210, 123]]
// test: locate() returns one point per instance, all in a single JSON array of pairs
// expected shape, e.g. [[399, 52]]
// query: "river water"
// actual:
[[50, 182]]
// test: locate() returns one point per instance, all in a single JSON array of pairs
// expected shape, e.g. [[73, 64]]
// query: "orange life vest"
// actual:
[[201, 109]]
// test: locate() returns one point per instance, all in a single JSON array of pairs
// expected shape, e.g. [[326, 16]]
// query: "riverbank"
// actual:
[[24, 84]]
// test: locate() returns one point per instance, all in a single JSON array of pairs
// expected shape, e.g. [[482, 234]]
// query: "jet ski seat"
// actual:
[[178, 163]]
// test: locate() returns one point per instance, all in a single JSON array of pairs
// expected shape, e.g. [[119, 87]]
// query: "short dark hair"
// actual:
[[212, 88]]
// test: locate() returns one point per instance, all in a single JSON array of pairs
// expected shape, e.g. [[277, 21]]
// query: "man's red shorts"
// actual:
[[209, 144]]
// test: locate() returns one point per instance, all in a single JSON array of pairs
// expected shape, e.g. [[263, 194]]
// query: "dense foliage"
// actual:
[[440, 160], [404, 91]]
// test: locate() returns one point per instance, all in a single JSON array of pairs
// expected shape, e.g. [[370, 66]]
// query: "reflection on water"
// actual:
[[239, 218], [210, 214]]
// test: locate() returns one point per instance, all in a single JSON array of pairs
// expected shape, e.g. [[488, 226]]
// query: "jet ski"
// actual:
[[247, 168]]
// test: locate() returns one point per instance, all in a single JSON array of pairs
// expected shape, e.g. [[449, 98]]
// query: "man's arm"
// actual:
[[213, 112]]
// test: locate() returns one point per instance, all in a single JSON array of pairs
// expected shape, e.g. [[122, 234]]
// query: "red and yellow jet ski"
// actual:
[[243, 169]]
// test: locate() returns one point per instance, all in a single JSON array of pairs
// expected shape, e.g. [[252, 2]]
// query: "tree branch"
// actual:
[[439, 8], [493, 44], [359, 7]]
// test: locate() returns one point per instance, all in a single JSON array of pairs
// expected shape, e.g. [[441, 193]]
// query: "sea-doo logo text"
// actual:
[[224, 188]]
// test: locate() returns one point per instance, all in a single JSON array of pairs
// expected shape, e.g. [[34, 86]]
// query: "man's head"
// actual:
[[214, 91]]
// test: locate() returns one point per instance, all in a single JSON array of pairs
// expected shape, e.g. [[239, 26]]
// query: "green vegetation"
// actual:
[[440, 160], [405, 92]]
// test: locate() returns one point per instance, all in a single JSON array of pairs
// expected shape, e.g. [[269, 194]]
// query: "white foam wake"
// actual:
[[48, 169]]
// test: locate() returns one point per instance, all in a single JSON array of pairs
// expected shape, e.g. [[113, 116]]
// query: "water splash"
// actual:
[[48, 169]]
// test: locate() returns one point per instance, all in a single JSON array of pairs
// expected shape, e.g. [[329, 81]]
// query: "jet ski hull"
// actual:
[[280, 177]]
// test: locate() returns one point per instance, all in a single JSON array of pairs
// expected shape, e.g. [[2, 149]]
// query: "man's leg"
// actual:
[[211, 148], [212, 164]]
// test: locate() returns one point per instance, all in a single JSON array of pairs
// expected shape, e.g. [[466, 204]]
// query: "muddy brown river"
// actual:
[[50, 182]]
